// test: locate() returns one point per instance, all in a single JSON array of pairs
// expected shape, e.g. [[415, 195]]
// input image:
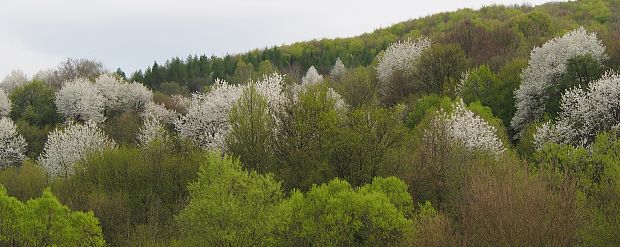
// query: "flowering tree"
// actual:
[[546, 65], [270, 87], [152, 130], [311, 77], [122, 96], [64, 148], [400, 56], [206, 121], [584, 113], [5, 104], [338, 70], [80, 100], [137, 96], [112, 89], [15, 79], [159, 112], [12, 144], [465, 127]]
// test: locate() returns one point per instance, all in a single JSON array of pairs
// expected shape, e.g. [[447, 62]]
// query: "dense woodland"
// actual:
[[490, 127]]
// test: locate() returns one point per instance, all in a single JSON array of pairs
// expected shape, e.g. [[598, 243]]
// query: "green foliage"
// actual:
[[439, 69], [24, 182], [34, 103], [251, 127], [422, 106], [34, 112], [231, 207], [131, 186], [45, 222], [479, 86], [358, 87], [172, 88], [335, 214], [371, 145], [597, 172], [123, 127], [307, 138], [580, 71]]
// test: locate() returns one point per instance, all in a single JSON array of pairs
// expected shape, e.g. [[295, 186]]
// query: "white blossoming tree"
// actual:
[[312, 77], [339, 70], [14, 80], [396, 65], [151, 130], [465, 127], [155, 117], [122, 96], [12, 144], [270, 87], [546, 65], [112, 89], [5, 104], [64, 148], [206, 120], [79, 100], [137, 96], [584, 113], [159, 112]]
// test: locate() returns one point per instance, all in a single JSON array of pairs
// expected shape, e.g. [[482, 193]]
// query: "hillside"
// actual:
[[494, 127], [491, 35]]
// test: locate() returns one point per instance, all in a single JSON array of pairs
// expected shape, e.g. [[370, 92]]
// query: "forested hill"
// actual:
[[492, 35]]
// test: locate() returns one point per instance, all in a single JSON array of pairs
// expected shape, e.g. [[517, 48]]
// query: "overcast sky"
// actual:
[[131, 34]]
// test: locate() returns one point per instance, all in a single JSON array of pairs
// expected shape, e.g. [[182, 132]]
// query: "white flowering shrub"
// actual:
[[137, 96], [12, 144], [270, 87], [122, 96], [14, 80], [465, 127], [339, 70], [5, 104], [312, 77], [400, 56], [80, 100], [152, 130], [584, 113], [159, 112], [206, 120], [64, 148], [112, 89], [546, 65]]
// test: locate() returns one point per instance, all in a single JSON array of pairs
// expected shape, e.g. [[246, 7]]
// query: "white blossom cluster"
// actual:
[[79, 99], [465, 127], [14, 80], [151, 130], [154, 117], [64, 148], [339, 70], [206, 122], [121, 95], [12, 144], [5, 104], [584, 113], [400, 56], [461, 85], [158, 111], [312, 77], [546, 64]]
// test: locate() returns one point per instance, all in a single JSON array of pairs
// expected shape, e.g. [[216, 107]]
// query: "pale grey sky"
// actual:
[[131, 34]]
